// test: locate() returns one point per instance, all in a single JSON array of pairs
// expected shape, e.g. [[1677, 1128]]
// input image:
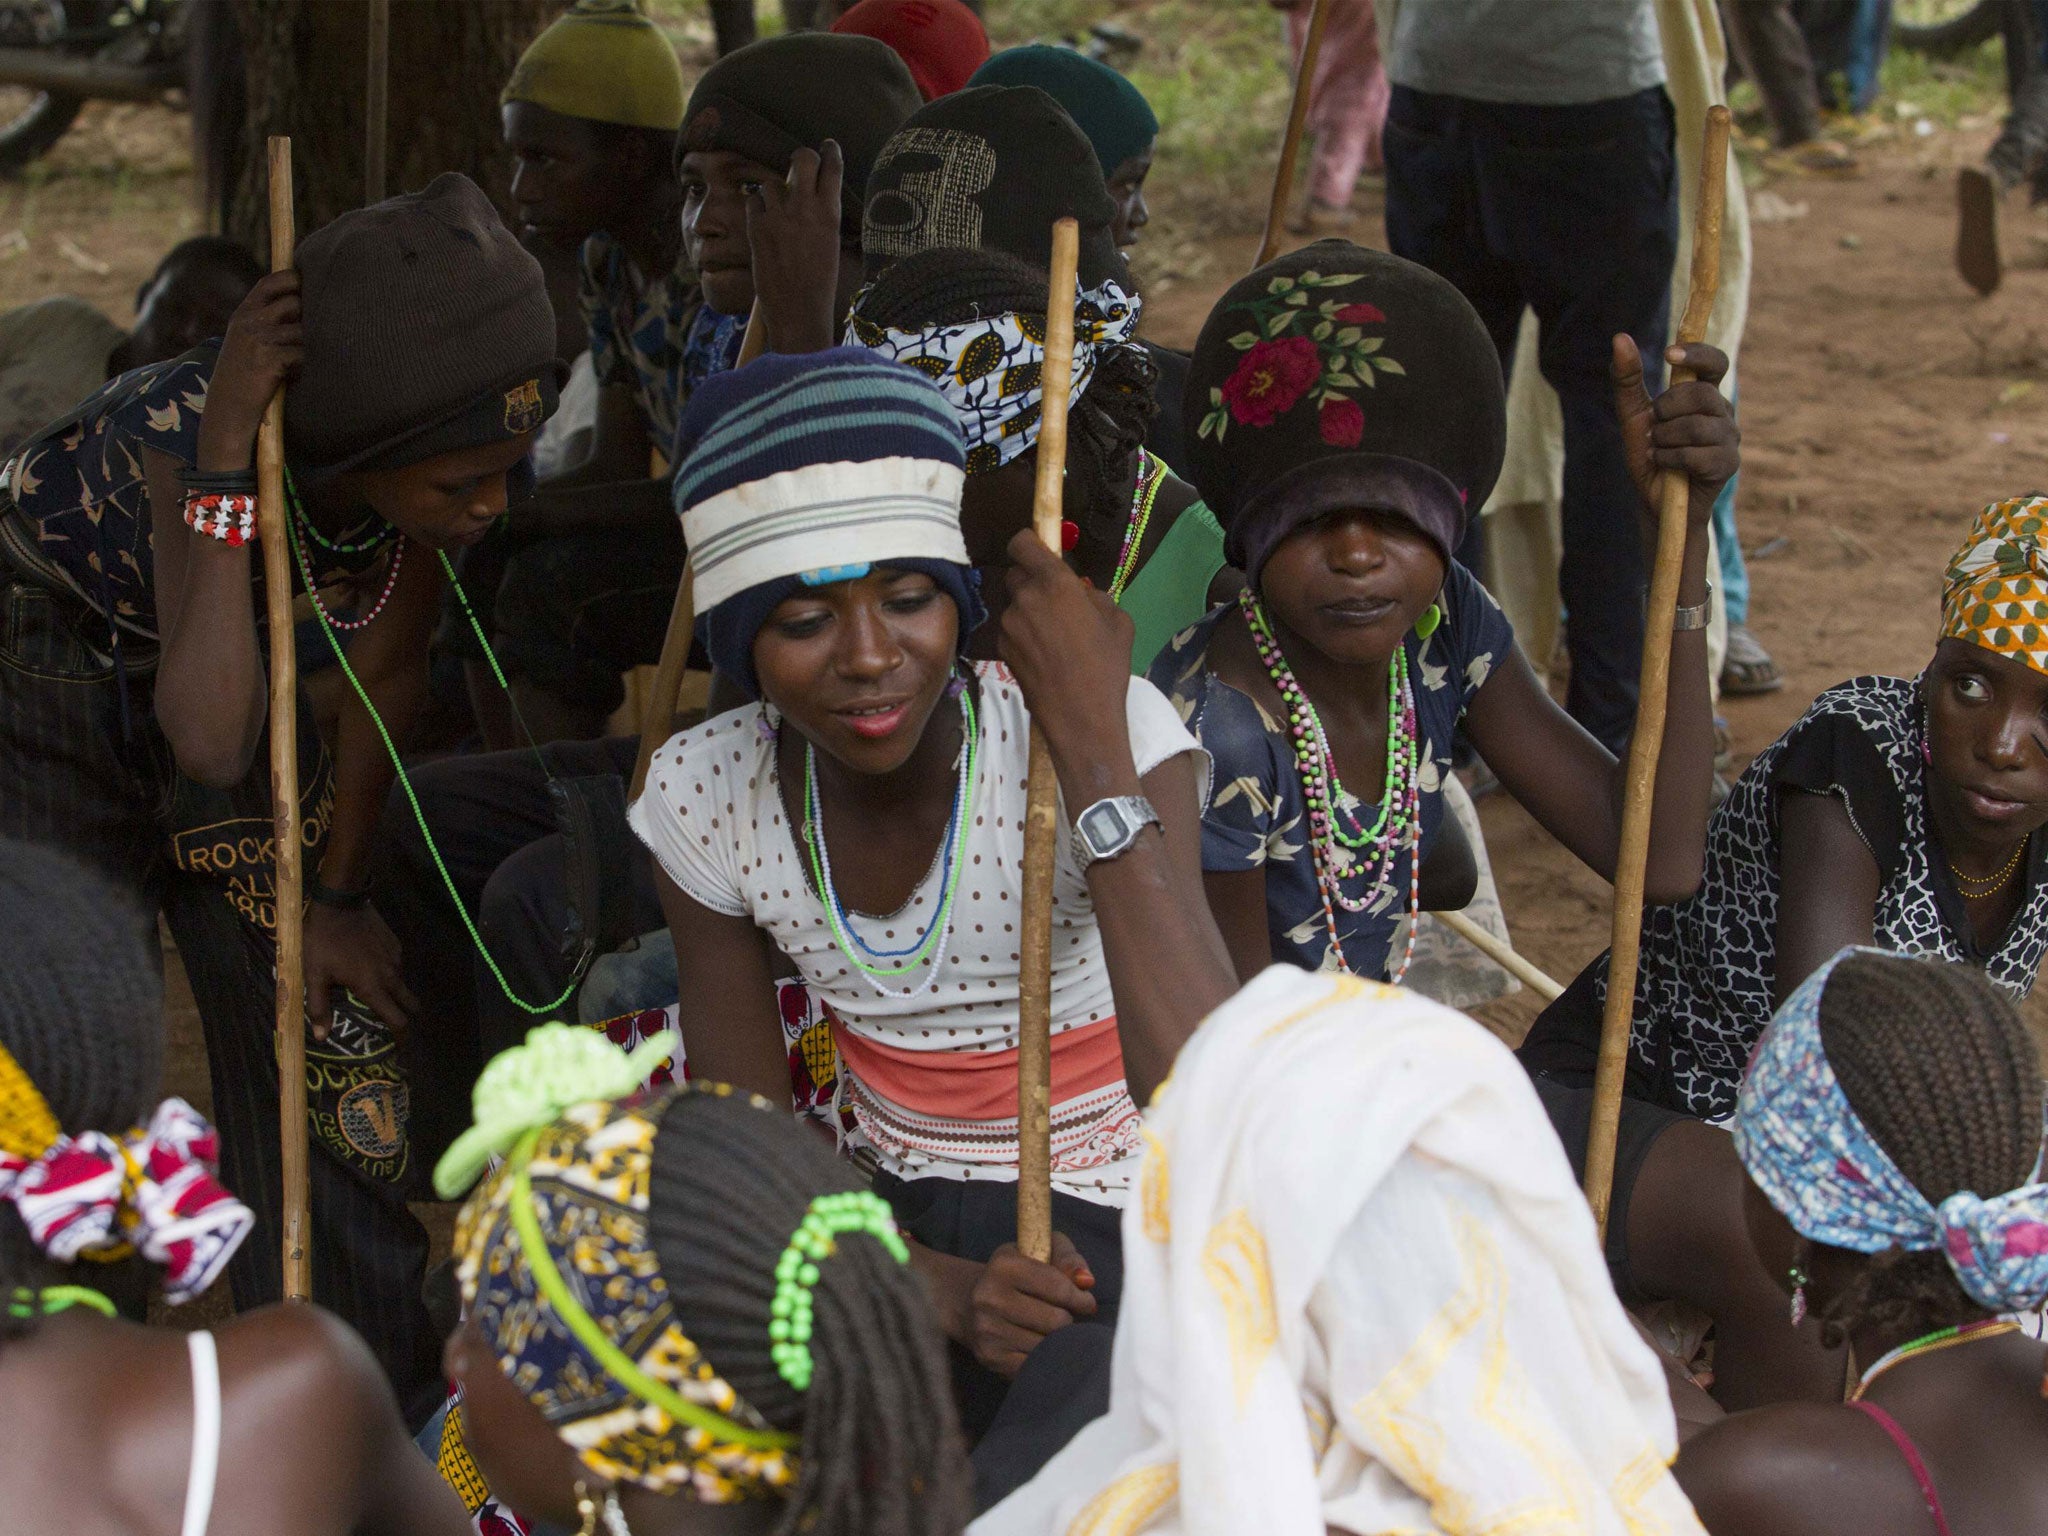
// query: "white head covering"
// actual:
[[1361, 1290]]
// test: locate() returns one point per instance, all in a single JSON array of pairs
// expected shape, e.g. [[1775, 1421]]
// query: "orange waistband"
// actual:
[[980, 1085]]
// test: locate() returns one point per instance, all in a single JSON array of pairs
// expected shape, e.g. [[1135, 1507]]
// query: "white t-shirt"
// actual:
[[713, 816]]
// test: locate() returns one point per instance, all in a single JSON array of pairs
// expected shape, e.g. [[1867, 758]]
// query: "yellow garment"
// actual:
[[604, 61], [1995, 593]]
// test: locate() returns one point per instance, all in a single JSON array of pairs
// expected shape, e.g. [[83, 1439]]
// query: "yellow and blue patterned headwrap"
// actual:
[[1995, 593], [558, 1269]]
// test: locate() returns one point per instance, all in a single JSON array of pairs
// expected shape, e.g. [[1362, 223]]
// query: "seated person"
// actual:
[[1365, 1295], [133, 716], [931, 299], [590, 116], [1900, 812], [679, 1300], [942, 41], [592, 563], [1890, 1127], [55, 352], [864, 817], [278, 1420], [1123, 131], [1361, 646]]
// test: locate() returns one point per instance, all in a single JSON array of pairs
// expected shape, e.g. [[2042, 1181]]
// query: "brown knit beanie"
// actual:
[[428, 330]]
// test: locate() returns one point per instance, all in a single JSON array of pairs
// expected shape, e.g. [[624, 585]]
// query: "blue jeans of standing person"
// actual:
[[1572, 211]]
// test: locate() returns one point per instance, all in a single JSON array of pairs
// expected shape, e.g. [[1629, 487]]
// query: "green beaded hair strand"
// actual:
[[814, 1241]]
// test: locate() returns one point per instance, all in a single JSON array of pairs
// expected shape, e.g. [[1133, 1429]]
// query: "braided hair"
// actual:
[[881, 1453], [81, 1011], [1939, 1067], [1106, 423]]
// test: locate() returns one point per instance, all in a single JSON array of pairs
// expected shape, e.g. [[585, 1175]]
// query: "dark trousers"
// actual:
[[971, 1221], [1766, 41], [79, 772], [1572, 211], [495, 826]]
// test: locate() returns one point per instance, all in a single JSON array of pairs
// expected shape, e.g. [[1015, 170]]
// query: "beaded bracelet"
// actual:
[[815, 1239], [229, 516]]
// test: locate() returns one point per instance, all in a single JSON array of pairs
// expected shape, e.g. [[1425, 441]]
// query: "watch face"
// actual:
[[1103, 826]]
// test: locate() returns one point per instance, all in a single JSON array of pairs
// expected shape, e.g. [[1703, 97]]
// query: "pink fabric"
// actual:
[[1349, 106], [1914, 1464]]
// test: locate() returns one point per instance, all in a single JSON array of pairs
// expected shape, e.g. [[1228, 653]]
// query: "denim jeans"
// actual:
[[1571, 211]]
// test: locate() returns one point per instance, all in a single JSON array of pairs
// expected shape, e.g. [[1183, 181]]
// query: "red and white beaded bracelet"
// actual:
[[229, 516]]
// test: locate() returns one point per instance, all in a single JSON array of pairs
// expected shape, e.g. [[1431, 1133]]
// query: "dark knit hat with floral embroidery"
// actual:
[[1343, 378]]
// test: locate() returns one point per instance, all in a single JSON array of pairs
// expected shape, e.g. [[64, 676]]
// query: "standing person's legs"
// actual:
[[1772, 51], [1348, 105], [1584, 201]]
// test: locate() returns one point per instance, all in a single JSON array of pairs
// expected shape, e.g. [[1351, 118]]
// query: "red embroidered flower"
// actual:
[[1342, 423], [1360, 314], [1270, 378]]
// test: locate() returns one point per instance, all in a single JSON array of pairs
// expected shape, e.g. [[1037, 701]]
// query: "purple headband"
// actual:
[[1359, 482], [1813, 1158]]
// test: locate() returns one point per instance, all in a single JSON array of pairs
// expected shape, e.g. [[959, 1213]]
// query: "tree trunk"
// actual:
[[306, 74]]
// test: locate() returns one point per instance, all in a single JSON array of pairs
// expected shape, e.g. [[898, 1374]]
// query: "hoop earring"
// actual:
[[590, 1512], [1798, 1278], [586, 1511]]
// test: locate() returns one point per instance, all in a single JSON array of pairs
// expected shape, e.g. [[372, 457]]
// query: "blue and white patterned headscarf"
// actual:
[[1817, 1163]]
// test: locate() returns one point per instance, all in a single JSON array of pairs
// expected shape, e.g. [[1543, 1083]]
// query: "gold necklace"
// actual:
[[1988, 885]]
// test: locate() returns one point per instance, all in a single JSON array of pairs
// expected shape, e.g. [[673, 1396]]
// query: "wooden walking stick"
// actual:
[[1041, 805], [376, 101], [1290, 146], [1500, 954], [1648, 739], [284, 778], [660, 712]]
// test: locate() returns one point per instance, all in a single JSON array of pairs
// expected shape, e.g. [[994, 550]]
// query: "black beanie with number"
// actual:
[[428, 331], [990, 168], [1341, 378]]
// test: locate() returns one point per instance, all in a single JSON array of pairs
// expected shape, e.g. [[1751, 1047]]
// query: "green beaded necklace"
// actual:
[[49, 1300]]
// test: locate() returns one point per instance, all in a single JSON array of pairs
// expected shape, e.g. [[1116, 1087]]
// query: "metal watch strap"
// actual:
[[1694, 616], [1135, 813]]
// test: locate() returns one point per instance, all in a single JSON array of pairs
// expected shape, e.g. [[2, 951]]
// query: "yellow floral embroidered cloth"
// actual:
[[1363, 1291]]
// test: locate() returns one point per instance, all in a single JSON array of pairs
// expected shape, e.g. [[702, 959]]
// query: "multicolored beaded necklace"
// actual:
[[1927, 1344], [299, 520], [1147, 491], [931, 944], [1399, 823]]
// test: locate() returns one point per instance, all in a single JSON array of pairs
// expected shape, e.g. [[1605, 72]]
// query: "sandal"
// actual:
[[1748, 668]]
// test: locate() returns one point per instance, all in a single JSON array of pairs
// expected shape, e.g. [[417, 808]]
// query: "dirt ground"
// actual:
[[1882, 403]]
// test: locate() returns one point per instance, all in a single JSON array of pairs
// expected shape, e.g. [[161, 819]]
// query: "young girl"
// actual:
[[682, 1300], [1900, 812], [1890, 1127], [279, 1420], [420, 348], [1346, 415], [865, 819]]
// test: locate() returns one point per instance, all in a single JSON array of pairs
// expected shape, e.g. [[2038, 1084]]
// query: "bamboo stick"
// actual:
[[1041, 813], [1290, 145], [1501, 955], [284, 780], [1647, 740]]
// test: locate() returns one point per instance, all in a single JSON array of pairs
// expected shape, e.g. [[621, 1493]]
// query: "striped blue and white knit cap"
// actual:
[[816, 466]]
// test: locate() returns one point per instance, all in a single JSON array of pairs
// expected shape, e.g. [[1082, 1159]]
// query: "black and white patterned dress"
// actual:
[[1703, 992]]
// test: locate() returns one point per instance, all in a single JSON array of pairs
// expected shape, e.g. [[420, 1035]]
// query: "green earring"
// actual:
[[1426, 625]]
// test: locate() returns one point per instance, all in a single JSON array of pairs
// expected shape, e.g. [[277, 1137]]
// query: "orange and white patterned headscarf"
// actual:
[[1995, 594]]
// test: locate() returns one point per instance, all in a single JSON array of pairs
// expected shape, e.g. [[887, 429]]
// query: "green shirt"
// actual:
[[1171, 590]]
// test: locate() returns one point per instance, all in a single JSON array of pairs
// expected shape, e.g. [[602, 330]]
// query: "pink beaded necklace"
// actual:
[[1399, 824]]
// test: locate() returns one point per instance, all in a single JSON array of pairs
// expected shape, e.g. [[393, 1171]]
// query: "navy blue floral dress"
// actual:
[[1254, 817]]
